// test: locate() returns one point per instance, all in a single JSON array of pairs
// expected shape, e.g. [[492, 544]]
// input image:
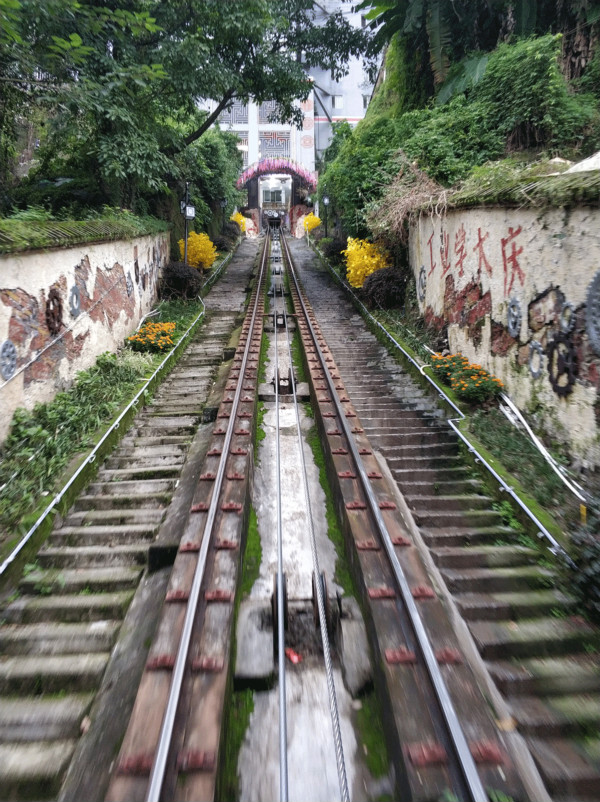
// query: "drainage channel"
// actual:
[[536, 659], [73, 639]]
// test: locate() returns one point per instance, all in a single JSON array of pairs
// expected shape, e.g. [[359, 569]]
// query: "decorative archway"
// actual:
[[278, 165]]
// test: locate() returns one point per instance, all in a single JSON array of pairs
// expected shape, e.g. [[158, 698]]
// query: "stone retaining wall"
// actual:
[[516, 291], [60, 309]]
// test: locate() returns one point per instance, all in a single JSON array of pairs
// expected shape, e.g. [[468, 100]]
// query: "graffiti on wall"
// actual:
[[490, 255]]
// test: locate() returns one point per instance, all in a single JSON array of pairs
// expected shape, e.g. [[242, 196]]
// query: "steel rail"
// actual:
[[159, 764], [283, 770], [333, 707], [468, 770], [92, 455]]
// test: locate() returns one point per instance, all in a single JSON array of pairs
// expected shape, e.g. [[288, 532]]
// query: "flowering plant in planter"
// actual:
[[153, 337], [469, 381]]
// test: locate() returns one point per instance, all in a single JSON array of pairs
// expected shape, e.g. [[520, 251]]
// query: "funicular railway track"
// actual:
[[171, 749], [442, 738]]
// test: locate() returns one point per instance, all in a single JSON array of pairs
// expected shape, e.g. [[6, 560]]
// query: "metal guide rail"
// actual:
[[439, 758], [171, 745]]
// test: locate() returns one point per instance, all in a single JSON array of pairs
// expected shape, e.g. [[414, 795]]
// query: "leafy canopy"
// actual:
[[122, 84]]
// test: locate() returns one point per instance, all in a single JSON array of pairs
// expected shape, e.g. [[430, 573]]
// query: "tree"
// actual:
[[123, 83]]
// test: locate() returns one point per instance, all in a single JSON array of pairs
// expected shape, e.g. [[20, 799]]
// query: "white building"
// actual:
[[289, 193]]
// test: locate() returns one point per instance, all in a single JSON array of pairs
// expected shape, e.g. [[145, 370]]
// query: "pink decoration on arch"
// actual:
[[277, 165]]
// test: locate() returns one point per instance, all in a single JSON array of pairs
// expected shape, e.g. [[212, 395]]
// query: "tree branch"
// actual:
[[206, 124]]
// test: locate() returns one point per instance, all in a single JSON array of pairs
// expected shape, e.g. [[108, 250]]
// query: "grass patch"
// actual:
[[261, 411], [368, 722], [263, 359], [298, 358], [252, 555], [342, 574], [240, 709], [520, 457]]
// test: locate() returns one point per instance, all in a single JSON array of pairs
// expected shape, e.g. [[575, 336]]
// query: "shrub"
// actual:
[[584, 579], [201, 251], [153, 337], [333, 248], [311, 221], [470, 382], [362, 259], [180, 281], [240, 220], [526, 97], [385, 288]]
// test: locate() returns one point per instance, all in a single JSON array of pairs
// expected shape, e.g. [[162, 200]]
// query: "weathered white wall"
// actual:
[[109, 311], [471, 264]]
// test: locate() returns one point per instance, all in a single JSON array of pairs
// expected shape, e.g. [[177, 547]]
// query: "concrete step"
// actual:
[[532, 637], [465, 535], [437, 519], [152, 450], [141, 474], [456, 502], [431, 475], [570, 768], [114, 501], [81, 580], [40, 719], [58, 639], [68, 608], [512, 606], [451, 487], [497, 580], [34, 770], [94, 535], [137, 440], [565, 675], [90, 556], [408, 441], [439, 463], [153, 463], [484, 556], [113, 515], [51, 674], [557, 716], [135, 489]]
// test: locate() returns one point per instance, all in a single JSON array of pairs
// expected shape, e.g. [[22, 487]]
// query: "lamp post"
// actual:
[[325, 204], [223, 206], [189, 212]]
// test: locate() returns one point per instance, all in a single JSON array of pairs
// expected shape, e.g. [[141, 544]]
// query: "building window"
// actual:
[[337, 101], [271, 196]]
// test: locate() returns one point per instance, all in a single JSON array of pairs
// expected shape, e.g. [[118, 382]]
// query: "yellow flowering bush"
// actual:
[[311, 221], [362, 259], [201, 251], [469, 381], [239, 218], [153, 337]]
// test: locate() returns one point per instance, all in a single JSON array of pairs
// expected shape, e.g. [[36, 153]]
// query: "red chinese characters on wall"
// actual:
[[488, 254]]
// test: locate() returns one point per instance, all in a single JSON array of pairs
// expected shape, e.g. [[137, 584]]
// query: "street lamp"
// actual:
[[189, 213], [223, 206], [325, 204]]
